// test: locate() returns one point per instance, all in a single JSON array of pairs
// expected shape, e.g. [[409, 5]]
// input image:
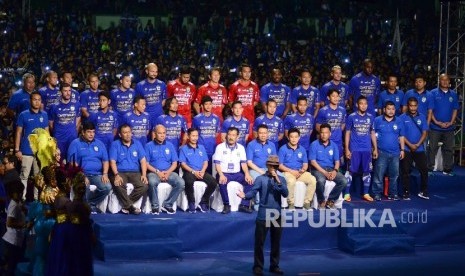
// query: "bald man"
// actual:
[[162, 161], [442, 126], [153, 90]]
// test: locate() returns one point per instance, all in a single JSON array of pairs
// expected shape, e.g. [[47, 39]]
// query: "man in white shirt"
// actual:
[[229, 159]]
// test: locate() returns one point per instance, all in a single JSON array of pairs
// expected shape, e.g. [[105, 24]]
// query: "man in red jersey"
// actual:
[[247, 92], [184, 91], [216, 91]]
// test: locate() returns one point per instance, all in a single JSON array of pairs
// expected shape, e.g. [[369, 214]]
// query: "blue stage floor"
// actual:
[[222, 244]]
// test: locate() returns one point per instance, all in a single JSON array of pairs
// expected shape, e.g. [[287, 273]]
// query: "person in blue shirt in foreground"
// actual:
[[271, 187]]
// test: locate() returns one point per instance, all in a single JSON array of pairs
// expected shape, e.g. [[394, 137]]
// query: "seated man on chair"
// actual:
[[128, 164], [92, 156], [162, 160], [324, 158], [194, 163], [294, 164], [229, 159]]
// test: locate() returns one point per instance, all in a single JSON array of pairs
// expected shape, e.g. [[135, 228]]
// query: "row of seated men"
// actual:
[[368, 128]]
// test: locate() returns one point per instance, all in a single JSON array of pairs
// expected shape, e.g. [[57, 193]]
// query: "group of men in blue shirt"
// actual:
[[143, 109]]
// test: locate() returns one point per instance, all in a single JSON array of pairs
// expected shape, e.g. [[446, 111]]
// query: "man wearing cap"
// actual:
[[230, 163], [324, 158], [271, 187]]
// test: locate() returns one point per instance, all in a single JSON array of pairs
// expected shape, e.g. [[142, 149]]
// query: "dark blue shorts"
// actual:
[[360, 162]]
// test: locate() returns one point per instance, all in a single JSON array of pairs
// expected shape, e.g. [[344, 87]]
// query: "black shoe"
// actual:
[[276, 270], [245, 209], [257, 271], [226, 209], [168, 210], [134, 211]]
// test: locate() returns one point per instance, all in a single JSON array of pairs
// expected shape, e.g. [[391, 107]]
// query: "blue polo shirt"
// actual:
[[19, 101], [154, 94], [325, 156], [64, 116], [280, 93], [140, 126], [444, 104], [388, 133], [30, 120], [208, 127], [161, 156], [175, 127], [89, 155], [270, 194], [127, 157], [258, 153], [360, 131], [336, 118], [193, 157], [49, 96], [104, 124], [305, 125], [413, 128], [89, 100], [425, 101], [341, 87], [312, 94], [293, 159], [122, 102], [368, 86], [397, 98], [275, 127], [242, 124]]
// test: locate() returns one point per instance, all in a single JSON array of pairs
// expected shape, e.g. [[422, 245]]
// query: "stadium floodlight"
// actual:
[[346, 60], [47, 67]]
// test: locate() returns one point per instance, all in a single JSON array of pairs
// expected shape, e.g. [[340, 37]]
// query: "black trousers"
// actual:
[[260, 235], [406, 168], [189, 180], [140, 189]]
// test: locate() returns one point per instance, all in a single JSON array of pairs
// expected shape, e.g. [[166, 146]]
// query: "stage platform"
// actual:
[[436, 224]]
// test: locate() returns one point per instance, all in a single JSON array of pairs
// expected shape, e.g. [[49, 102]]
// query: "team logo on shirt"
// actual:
[[130, 96], [269, 151], [95, 148], [423, 99], [418, 122], [111, 117], [243, 125], [72, 108], [167, 151], [397, 99], [299, 155], [250, 90], [134, 153], [394, 127], [214, 121], [179, 122], [311, 94], [200, 153], [330, 152], [368, 120], [41, 119], [276, 124], [144, 120], [450, 99]]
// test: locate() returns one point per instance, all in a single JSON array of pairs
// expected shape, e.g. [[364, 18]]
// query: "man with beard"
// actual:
[[153, 90], [277, 91], [390, 134]]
